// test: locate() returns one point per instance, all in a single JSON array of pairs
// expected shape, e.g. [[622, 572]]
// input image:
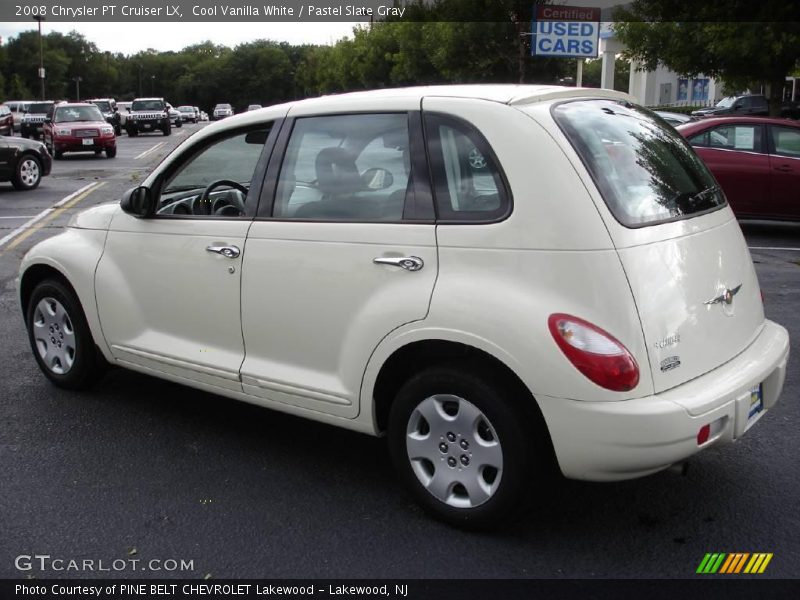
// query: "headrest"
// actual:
[[337, 173]]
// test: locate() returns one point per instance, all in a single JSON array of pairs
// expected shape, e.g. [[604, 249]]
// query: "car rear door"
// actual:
[[342, 253], [784, 160]]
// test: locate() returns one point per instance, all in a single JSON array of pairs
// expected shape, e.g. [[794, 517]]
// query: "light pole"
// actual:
[[77, 81], [41, 54], [152, 84]]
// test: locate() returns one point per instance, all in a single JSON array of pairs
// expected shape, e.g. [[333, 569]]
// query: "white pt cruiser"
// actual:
[[501, 279]]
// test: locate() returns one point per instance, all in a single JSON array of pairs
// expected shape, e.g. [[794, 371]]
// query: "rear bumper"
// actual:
[[607, 441]]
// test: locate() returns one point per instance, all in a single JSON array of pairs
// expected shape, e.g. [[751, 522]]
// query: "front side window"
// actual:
[[786, 140], [730, 137], [345, 168], [216, 180], [645, 171], [467, 178]]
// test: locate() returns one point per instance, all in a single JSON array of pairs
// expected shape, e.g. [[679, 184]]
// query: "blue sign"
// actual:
[[571, 39]]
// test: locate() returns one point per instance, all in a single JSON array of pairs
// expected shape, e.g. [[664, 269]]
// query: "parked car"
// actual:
[[17, 108], [746, 105], [253, 107], [674, 118], [547, 278], [6, 120], [175, 118], [222, 110], [755, 160], [188, 114], [148, 115], [203, 115], [23, 162], [197, 112], [32, 122], [108, 106], [79, 127]]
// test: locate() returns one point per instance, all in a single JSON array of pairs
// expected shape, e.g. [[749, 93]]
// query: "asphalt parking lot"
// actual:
[[140, 469]]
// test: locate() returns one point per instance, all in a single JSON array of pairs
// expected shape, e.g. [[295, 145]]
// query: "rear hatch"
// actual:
[[686, 260]]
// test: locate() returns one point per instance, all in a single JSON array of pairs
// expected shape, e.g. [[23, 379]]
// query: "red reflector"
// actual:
[[594, 352], [703, 434]]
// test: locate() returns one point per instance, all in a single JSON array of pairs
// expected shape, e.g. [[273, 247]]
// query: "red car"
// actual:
[[756, 160], [79, 127]]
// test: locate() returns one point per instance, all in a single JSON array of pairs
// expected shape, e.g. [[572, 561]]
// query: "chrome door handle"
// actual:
[[227, 251], [409, 263]]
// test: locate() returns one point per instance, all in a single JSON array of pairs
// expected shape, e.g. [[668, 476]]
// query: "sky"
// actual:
[[129, 39]]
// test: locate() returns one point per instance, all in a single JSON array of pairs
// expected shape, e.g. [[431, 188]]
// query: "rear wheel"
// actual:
[[28, 173], [463, 446], [60, 338]]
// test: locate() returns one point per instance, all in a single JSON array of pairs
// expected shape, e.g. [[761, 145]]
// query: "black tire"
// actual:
[[178, 124], [87, 365], [24, 134], [98, 151], [111, 152], [506, 422], [27, 173]]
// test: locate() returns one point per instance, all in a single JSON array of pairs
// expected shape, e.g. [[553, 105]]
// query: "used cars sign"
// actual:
[[566, 31]]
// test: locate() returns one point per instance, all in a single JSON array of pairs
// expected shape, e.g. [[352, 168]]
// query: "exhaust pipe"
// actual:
[[679, 468]]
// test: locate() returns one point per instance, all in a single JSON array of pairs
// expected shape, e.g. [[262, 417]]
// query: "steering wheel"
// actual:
[[203, 204]]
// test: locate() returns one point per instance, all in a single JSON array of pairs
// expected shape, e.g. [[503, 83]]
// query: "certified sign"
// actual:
[[568, 31]]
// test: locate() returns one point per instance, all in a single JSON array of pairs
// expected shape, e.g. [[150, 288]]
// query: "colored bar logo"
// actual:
[[734, 563]]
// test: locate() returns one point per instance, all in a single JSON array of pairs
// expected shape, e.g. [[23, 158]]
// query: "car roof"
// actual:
[[713, 121]]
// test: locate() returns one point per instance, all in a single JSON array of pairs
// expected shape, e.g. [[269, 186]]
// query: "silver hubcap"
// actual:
[[454, 451], [54, 335], [29, 172]]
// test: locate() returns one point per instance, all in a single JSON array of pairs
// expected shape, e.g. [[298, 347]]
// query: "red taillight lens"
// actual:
[[594, 352], [703, 434]]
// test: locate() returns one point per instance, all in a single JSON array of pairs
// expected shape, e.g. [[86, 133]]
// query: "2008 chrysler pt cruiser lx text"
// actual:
[[499, 278]]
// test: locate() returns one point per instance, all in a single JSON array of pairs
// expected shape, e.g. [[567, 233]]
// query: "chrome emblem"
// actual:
[[725, 297]]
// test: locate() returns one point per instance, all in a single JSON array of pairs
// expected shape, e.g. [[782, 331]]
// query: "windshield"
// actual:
[[70, 114], [646, 172], [185, 109], [222, 107], [726, 102], [40, 108], [147, 105], [103, 106]]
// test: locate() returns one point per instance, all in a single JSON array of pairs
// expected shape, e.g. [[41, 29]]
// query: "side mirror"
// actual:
[[138, 202], [377, 179]]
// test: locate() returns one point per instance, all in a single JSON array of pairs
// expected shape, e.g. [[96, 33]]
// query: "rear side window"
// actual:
[[787, 141], [645, 171], [468, 183]]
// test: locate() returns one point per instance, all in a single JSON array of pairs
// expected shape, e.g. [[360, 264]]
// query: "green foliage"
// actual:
[[740, 42], [452, 41]]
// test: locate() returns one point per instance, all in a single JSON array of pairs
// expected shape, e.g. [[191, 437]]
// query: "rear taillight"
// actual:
[[594, 352]]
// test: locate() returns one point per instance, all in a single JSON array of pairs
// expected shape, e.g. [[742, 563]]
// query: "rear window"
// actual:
[[645, 171]]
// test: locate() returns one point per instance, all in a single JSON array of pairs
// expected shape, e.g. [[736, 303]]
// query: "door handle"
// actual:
[[227, 251], [409, 263], [784, 168]]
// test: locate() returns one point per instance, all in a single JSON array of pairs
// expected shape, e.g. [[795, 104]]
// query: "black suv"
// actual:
[[32, 121], [147, 115], [108, 106], [753, 105]]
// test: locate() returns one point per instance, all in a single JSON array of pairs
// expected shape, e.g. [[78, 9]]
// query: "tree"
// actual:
[[739, 41]]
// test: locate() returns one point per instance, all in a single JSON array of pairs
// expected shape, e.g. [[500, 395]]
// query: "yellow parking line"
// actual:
[[55, 212]]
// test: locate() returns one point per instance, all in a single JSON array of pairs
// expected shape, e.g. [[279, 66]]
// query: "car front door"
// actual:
[[784, 162], [168, 286], [344, 254], [735, 154]]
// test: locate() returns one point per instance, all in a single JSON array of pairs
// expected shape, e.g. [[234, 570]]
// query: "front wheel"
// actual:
[[111, 152], [28, 173], [463, 446], [60, 338]]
